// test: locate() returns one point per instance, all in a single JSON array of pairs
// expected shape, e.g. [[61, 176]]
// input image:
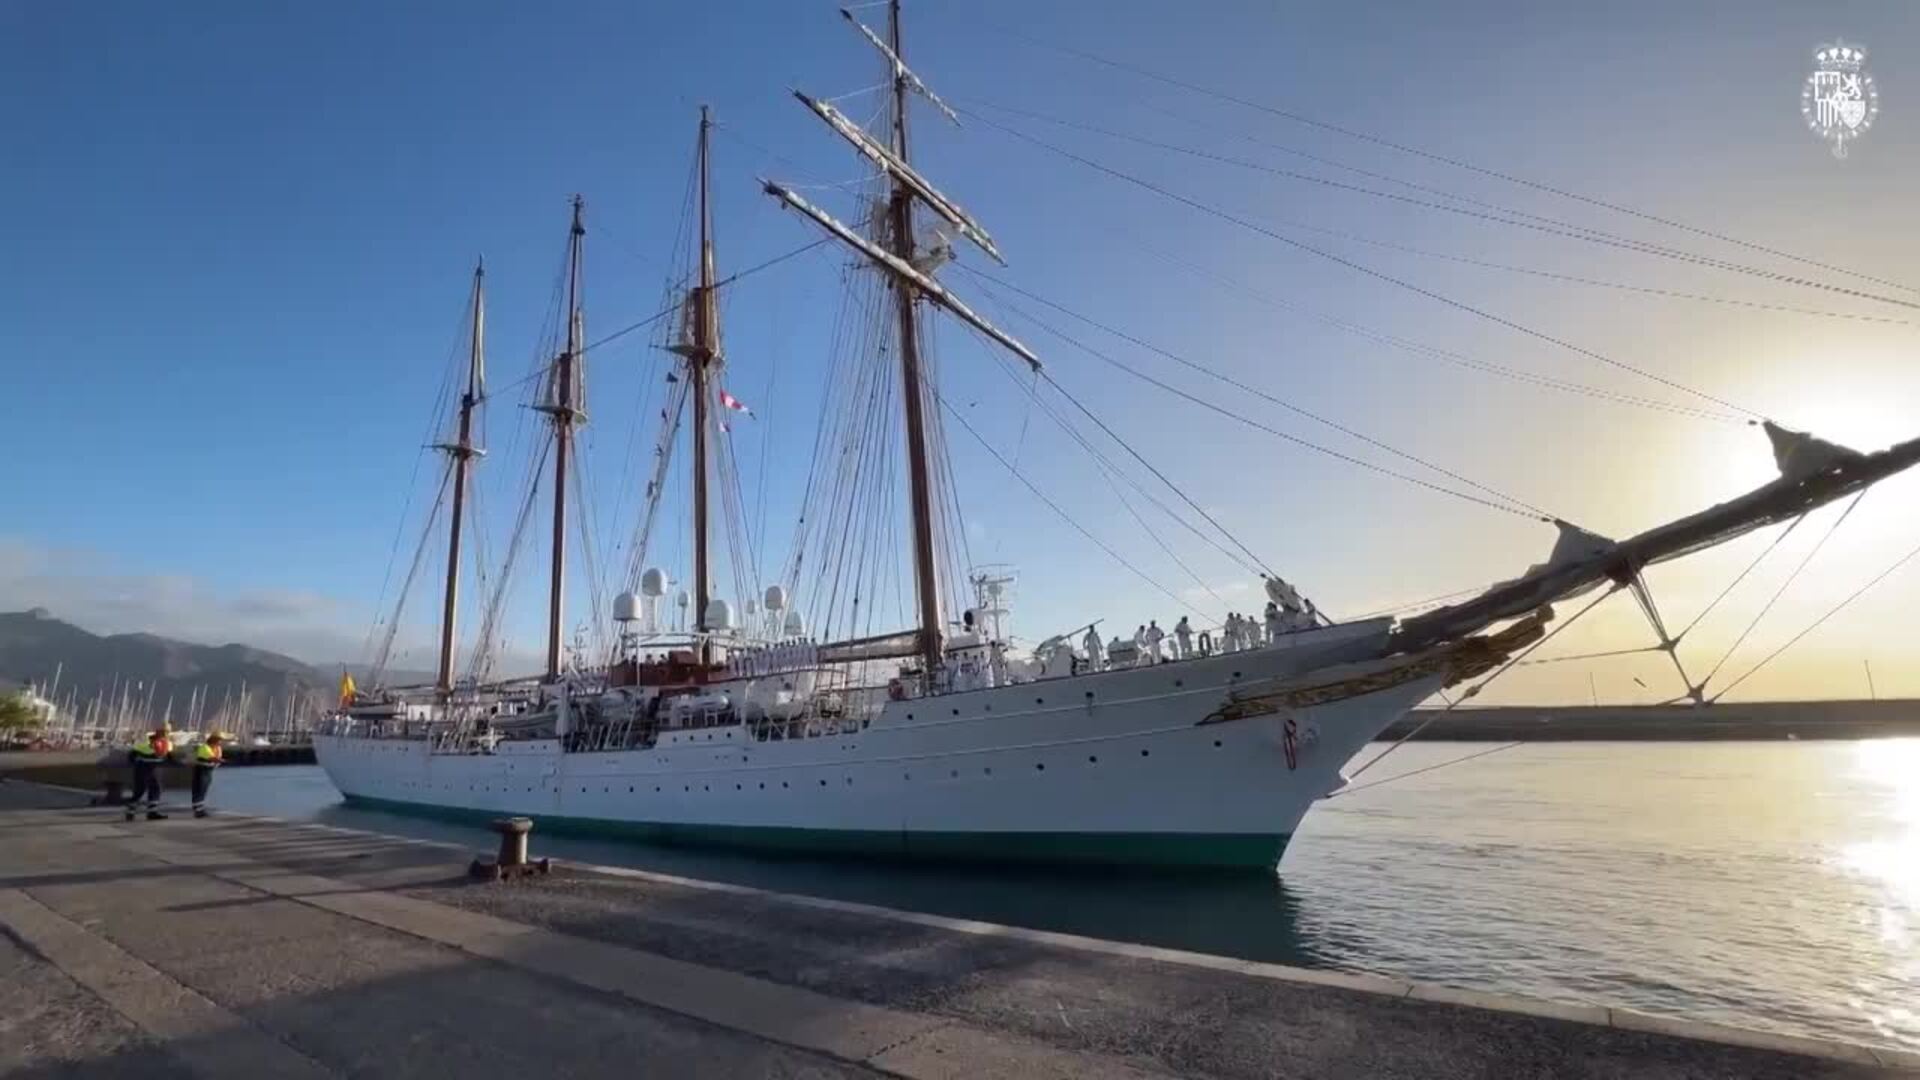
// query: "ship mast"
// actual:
[[566, 415], [462, 452], [701, 358], [918, 467], [912, 281]]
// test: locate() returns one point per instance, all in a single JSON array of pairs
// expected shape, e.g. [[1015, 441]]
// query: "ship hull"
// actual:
[[1133, 767]]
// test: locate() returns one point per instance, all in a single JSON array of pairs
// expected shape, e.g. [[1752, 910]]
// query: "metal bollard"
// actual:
[[513, 839], [512, 860]]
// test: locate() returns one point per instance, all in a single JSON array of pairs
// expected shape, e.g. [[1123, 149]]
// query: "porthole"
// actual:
[[956, 712], [823, 783], [783, 783], [736, 787], [1143, 753], [1092, 759], [1089, 695], [989, 771], [1039, 766], [1039, 701], [1179, 682], [763, 787], [956, 774], [1216, 744]]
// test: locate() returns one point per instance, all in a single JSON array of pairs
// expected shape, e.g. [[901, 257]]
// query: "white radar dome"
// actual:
[[653, 582], [682, 599], [719, 615], [776, 598], [626, 608], [795, 626]]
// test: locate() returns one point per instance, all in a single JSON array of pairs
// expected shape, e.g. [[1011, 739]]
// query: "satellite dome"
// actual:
[[719, 615], [776, 598], [681, 599], [626, 608], [795, 626], [653, 582]]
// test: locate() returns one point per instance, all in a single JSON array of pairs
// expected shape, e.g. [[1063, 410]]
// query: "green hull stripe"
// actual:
[[1238, 851]]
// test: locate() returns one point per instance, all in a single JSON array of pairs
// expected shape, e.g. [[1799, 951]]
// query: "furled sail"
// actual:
[[910, 177], [933, 289], [900, 68], [1813, 474]]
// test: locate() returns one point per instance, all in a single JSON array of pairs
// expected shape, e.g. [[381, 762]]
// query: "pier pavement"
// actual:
[[245, 947]]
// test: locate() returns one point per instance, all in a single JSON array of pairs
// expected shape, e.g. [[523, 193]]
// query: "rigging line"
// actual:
[[1784, 586], [1264, 396], [1429, 768], [1649, 290], [1064, 516], [1474, 691], [1030, 388], [1592, 236], [1443, 159], [1367, 270], [1108, 472], [413, 570], [1276, 432], [1435, 352], [1594, 655], [1751, 567], [1417, 605], [1836, 609], [669, 310]]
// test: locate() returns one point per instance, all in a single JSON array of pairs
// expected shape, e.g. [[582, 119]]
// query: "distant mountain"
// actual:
[[136, 673]]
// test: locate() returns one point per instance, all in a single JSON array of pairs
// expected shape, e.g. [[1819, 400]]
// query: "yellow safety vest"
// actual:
[[207, 755], [146, 748]]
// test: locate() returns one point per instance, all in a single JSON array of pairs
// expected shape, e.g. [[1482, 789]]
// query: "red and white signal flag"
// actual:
[[734, 403]]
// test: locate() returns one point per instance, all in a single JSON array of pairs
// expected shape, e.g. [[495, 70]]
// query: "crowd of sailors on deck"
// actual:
[[1287, 612], [793, 654]]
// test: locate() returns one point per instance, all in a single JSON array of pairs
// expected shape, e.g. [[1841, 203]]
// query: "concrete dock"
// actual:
[[244, 947]]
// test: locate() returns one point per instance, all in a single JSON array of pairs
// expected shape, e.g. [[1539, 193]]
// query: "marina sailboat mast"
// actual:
[[462, 452], [700, 350], [564, 406], [911, 277]]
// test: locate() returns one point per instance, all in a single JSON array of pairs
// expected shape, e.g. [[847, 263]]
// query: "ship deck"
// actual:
[[140, 950]]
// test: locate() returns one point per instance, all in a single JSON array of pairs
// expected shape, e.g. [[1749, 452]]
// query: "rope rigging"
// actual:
[[1503, 507], [1428, 155], [1362, 268], [1264, 396], [1781, 591], [1547, 226], [1433, 351]]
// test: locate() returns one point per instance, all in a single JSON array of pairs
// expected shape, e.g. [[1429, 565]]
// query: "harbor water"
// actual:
[[1772, 885]]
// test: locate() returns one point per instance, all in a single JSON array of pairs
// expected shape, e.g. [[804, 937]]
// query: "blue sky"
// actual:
[[235, 240]]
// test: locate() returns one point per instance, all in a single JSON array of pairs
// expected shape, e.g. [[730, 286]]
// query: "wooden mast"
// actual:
[[462, 452], [699, 362], [918, 467], [566, 414]]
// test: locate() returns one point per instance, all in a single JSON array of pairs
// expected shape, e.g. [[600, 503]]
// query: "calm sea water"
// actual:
[[1772, 885]]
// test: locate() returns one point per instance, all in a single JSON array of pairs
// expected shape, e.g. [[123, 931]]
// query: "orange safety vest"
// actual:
[[206, 754]]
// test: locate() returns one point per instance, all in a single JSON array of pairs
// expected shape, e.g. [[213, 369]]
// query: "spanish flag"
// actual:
[[347, 690]]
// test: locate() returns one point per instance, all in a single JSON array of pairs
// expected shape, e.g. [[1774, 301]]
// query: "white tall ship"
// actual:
[[939, 739]]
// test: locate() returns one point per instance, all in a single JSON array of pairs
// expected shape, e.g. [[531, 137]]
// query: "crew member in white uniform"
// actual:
[[1154, 637], [1183, 638]]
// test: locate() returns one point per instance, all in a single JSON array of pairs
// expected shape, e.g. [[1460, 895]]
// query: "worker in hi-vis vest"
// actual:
[[148, 754], [206, 758]]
